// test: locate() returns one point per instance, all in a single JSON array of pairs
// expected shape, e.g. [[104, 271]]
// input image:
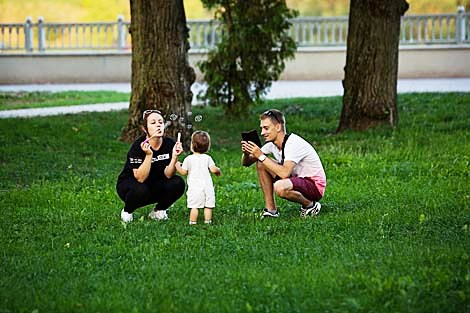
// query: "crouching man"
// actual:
[[294, 173]]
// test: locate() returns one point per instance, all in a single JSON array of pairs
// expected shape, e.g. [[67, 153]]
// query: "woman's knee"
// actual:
[[140, 190], [177, 185], [132, 188]]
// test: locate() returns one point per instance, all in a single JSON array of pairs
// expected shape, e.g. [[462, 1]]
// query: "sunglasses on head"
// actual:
[[148, 112], [272, 114]]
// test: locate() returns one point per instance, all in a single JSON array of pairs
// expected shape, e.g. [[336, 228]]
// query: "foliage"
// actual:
[[254, 42], [108, 10], [393, 235]]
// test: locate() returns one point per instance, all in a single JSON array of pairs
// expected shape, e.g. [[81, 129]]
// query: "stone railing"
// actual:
[[430, 29]]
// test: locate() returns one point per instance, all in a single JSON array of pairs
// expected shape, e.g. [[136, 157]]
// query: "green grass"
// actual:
[[392, 236], [41, 99]]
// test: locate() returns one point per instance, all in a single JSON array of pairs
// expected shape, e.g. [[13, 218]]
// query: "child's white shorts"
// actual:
[[201, 198]]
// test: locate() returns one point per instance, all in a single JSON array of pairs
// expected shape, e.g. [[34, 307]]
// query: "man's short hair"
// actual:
[[275, 116]]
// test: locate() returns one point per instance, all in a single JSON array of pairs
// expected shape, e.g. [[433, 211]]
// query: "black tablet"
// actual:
[[251, 135]]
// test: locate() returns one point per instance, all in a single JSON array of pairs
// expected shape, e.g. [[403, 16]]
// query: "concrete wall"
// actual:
[[309, 64], [425, 62], [40, 68]]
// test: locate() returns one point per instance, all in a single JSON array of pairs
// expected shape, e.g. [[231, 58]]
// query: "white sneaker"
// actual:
[[312, 210], [268, 213], [126, 217], [158, 215]]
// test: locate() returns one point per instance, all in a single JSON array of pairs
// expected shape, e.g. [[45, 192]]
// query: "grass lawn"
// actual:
[[42, 99], [393, 235]]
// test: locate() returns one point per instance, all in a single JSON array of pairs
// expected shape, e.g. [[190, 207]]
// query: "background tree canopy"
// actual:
[[253, 47], [108, 10]]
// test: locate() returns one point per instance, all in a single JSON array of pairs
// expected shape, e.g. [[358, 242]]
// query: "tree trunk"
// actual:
[[161, 75], [370, 83]]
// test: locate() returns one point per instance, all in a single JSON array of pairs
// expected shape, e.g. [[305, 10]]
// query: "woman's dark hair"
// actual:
[[200, 141]]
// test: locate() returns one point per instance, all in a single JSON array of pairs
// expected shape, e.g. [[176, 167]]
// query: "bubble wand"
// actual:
[[179, 140]]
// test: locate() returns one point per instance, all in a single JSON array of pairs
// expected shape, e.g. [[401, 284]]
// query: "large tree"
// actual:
[[161, 75], [370, 81]]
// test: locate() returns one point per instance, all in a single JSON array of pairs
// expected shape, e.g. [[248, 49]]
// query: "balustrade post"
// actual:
[[121, 35], [28, 34], [460, 25], [41, 34]]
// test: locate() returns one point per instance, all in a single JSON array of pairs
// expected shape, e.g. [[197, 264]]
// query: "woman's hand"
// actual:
[[171, 169], [145, 146], [178, 148]]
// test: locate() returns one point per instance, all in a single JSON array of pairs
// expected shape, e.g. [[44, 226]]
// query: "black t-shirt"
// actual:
[[160, 159]]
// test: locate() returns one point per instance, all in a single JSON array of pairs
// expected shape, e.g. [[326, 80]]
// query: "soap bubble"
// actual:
[[198, 118], [173, 117]]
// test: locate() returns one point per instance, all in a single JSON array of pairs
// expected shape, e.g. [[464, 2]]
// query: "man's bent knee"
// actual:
[[282, 187], [260, 167], [262, 170]]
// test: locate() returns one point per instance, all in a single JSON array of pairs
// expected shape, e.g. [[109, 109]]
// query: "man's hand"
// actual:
[[247, 157], [249, 147], [243, 144]]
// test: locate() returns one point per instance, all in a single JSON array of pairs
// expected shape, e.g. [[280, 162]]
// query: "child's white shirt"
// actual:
[[199, 175]]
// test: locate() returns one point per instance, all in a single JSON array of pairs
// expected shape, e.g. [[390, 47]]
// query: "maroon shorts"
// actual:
[[306, 186]]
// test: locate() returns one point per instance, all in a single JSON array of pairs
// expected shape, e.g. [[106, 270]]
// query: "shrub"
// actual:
[[254, 42]]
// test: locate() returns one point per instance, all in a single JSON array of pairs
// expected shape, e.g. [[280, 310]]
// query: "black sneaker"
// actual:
[[267, 213], [312, 210]]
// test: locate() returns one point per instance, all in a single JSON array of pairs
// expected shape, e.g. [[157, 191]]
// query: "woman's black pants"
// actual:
[[163, 192]]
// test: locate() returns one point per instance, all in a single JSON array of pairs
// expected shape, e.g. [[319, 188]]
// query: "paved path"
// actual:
[[279, 89], [101, 107]]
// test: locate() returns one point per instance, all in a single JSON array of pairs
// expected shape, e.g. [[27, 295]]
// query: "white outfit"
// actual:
[[200, 192], [301, 152]]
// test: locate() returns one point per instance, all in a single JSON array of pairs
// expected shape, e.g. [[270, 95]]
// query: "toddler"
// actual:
[[199, 166]]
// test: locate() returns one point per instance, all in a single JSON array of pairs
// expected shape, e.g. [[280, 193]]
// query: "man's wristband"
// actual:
[[262, 157]]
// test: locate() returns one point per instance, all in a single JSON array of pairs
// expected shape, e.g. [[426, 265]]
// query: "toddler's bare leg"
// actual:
[[193, 216], [207, 215]]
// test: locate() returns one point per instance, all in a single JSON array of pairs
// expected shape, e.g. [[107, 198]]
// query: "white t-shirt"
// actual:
[[200, 192], [301, 152], [199, 176]]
